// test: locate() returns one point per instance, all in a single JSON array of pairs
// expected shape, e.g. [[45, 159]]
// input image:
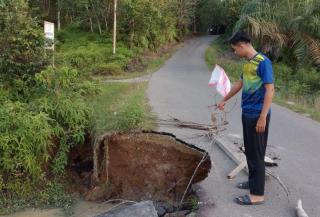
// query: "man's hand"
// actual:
[[221, 105], [261, 124], [234, 90]]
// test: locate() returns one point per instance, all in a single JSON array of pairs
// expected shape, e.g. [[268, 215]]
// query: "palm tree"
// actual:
[[292, 25]]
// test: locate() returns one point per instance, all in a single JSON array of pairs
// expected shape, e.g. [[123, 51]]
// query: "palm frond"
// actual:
[[306, 47], [267, 30], [314, 49]]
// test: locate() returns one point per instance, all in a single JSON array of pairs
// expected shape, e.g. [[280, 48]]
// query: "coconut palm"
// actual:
[[291, 25]]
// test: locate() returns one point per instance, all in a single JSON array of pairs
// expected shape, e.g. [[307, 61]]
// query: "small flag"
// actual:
[[220, 79]]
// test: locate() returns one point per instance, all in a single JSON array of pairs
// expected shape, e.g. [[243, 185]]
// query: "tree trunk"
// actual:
[[49, 5], [196, 2], [90, 19], [194, 24], [59, 22], [71, 18], [108, 12], [91, 24], [106, 23], [72, 15], [59, 15], [131, 26], [114, 26], [96, 10], [46, 7], [99, 25]]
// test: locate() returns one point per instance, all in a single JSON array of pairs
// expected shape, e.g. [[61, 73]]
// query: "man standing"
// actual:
[[257, 86]]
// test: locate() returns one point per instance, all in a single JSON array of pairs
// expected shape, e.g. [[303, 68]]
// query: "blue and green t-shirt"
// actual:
[[257, 72]]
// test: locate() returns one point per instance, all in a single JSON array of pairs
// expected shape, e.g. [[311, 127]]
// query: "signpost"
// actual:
[[49, 38]]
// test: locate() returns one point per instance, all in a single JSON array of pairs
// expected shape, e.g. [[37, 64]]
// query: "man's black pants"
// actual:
[[255, 149]]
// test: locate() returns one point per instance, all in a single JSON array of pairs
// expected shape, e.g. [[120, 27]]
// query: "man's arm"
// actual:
[[234, 90], [261, 124]]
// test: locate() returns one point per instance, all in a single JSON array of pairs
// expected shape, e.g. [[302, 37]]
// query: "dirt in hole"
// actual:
[[80, 168], [136, 166]]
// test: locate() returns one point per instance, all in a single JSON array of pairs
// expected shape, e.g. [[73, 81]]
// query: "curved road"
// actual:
[[180, 89]]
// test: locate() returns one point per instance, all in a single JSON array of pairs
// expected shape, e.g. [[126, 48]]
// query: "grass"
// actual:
[[122, 107], [91, 53], [152, 65], [153, 61], [53, 196], [288, 87], [305, 109]]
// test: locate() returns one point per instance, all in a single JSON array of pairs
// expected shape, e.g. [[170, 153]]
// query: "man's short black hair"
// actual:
[[240, 36]]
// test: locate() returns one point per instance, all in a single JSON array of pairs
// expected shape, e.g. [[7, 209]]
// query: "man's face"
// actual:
[[239, 49]]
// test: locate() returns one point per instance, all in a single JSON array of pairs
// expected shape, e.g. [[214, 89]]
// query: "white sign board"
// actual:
[[49, 34]]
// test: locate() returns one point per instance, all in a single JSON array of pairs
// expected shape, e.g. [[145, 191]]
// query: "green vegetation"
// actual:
[[37, 133], [47, 110], [143, 23], [21, 44], [27, 195], [219, 53], [287, 31], [121, 107], [92, 53]]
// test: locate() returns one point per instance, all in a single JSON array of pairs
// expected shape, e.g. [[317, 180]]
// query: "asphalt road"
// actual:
[[180, 89]]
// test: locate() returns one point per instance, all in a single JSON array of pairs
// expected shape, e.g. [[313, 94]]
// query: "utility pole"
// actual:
[[59, 14], [114, 26]]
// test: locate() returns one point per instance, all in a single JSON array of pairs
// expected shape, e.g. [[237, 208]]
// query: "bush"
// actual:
[[92, 53], [310, 77], [107, 69], [300, 81], [54, 195], [25, 138], [21, 41], [22, 151], [37, 134], [62, 95], [26, 193]]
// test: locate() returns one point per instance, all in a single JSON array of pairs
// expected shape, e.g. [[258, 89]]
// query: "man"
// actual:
[[257, 86]]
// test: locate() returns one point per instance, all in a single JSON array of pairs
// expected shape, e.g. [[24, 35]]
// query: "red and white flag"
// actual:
[[220, 79]]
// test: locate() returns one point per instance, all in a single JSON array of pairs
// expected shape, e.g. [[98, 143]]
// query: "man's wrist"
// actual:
[[263, 115]]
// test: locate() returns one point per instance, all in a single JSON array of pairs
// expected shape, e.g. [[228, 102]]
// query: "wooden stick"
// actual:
[[234, 172], [285, 188], [205, 155]]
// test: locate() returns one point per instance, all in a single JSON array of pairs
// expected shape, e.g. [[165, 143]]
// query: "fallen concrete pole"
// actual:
[[237, 157]]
